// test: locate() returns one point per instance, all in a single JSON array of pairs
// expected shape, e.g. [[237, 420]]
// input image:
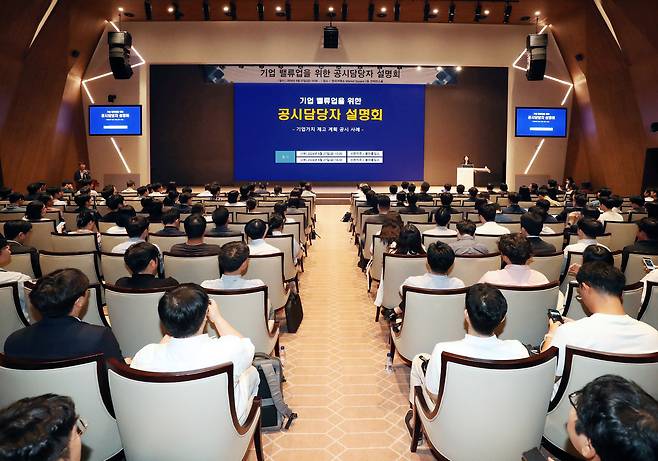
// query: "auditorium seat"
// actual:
[[550, 265], [369, 230], [165, 242], [649, 310], [11, 314], [395, 270], [39, 237], [621, 234], [430, 239], [191, 269], [21, 262], [109, 241], [634, 270], [557, 240], [86, 261], [374, 270], [470, 269], [491, 241], [221, 241], [113, 267], [285, 244], [269, 269], [239, 217], [424, 226], [73, 242]]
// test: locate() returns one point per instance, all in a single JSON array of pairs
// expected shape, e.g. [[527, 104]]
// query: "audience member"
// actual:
[[130, 187], [184, 312], [275, 229], [123, 217], [114, 202], [234, 262], [16, 233], [543, 194], [593, 253], [183, 204], [524, 194], [255, 230], [637, 204], [607, 211], [15, 204], [195, 227], [137, 230], [42, 428], [446, 202], [466, 244], [442, 218], [393, 192], [440, 258], [143, 260], [646, 243], [460, 189], [171, 221], [513, 206], [580, 202], [424, 196], [61, 298], [232, 199], [489, 226], [411, 208], [531, 227], [472, 194], [545, 206], [220, 218], [515, 251], [588, 230]]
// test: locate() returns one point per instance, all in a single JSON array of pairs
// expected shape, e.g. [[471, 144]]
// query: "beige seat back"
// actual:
[[11, 216], [205, 425], [103, 226], [557, 227], [269, 269], [649, 310], [221, 241], [285, 245], [65, 243], [191, 269], [634, 270], [621, 234], [11, 314], [246, 217], [557, 240], [375, 270], [165, 242], [295, 228], [526, 318], [491, 241], [22, 263], [39, 237], [83, 380], [420, 217], [566, 278], [430, 239], [635, 217], [507, 413], [581, 367], [109, 241], [156, 227], [550, 265], [134, 317], [238, 228], [430, 317], [87, 262], [471, 268], [424, 226], [395, 270], [632, 299], [247, 311], [512, 226], [113, 267], [369, 229]]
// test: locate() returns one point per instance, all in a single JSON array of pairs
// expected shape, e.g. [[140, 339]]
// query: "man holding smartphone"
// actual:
[[647, 240]]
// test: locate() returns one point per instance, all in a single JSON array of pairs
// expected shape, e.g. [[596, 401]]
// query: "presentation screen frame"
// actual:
[[141, 121], [516, 122]]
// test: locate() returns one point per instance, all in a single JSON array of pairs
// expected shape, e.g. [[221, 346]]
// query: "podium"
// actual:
[[465, 176]]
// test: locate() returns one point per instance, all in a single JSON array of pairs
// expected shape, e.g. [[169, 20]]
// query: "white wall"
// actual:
[[301, 43]]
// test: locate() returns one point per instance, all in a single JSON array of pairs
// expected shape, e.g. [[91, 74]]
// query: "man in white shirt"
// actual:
[[393, 192], [608, 212], [515, 251], [588, 229], [184, 312], [234, 261], [308, 190], [232, 199], [12, 276], [256, 230], [130, 187], [442, 219], [487, 214], [609, 328], [276, 228], [486, 307], [123, 216], [138, 231]]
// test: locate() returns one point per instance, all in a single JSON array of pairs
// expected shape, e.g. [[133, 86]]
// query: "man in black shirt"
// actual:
[[16, 232], [513, 206], [195, 227], [647, 240], [220, 218], [424, 196], [113, 202], [171, 221], [142, 260], [531, 226]]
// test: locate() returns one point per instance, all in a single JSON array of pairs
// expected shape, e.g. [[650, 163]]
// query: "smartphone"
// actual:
[[555, 316], [533, 455], [648, 263]]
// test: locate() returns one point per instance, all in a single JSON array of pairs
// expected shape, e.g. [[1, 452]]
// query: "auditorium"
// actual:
[[329, 230]]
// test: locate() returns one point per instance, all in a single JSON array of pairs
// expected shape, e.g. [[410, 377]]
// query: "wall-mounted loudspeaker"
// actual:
[[330, 37], [120, 43], [536, 48]]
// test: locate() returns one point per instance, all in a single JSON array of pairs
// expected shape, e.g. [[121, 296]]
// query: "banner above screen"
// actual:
[[405, 75]]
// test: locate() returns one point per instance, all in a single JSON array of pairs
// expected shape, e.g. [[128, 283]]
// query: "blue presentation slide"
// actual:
[[541, 122], [115, 120], [327, 132]]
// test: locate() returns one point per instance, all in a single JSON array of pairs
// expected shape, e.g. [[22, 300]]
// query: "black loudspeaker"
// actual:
[[120, 43], [536, 47], [330, 37]]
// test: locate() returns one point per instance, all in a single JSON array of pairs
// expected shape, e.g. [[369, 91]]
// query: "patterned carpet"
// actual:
[[349, 407]]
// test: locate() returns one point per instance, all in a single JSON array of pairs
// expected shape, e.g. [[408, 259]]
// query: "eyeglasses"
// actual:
[[81, 426], [573, 399]]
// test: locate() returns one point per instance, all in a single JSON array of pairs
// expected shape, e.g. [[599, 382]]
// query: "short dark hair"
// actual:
[[276, 222], [37, 428], [590, 227], [473, 191], [183, 310], [82, 220], [543, 203], [232, 255], [15, 197], [490, 187], [513, 197], [184, 198], [251, 203], [637, 200], [220, 216], [55, 294], [404, 184], [232, 196], [486, 307], [425, 186], [487, 211], [13, 228], [619, 418], [412, 199], [591, 212], [602, 277], [107, 191], [597, 253], [393, 189], [141, 190], [384, 201], [171, 215], [440, 257], [581, 200], [516, 247], [280, 208], [255, 229], [533, 223], [114, 201], [124, 215], [442, 216], [466, 227], [195, 226], [460, 188], [447, 186], [33, 210], [647, 225], [504, 187], [277, 189], [410, 241], [139, 255], [136, 226], [411, 187], [401, 197], [446, 199]]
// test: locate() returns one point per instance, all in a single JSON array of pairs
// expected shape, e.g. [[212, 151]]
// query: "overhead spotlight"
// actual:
[[371, 11], [260, 8], [279, 11], [507, 12], [419, 68], [396, 10], [226, 9], [435, 11], [382, 12], [426, 11], [344, 10], [206, 10], [478, 12], [486, 12], [537, 13], [170, 9], [451, 12], [331, 13], [316, 10], [458, 68]]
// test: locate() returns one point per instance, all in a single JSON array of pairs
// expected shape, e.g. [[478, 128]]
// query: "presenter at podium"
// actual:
[[466, 170]]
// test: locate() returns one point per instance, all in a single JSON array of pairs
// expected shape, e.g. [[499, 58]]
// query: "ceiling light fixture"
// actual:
[[458, 68], [537, 13], [170, 9]]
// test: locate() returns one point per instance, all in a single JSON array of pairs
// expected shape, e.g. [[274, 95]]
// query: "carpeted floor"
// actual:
[[349, 407]]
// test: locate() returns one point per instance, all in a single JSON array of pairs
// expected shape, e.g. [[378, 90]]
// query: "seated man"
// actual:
[[442, 219], [580, 202], [466, 244], [531, 226], [61, 298], [171, 221], [232, 199], [276, 229], [85, 224], [143, 260], [609, 328], [472, 194], [486, 308], [411, 208], [195, 227], [446, 202], [137, 230], [543, 194], [16, 233], [15, 203], [513, 206], [646, 243], [393, 192], [255, 230], [440, 258], [130, 187], [113, 202], [124, 214], [234, 262], [637, 204], [614, 419], [220, 218], [545, 205], [487, 214], [424, 196], [607, 210], [515, 251], [184, 312], [183, 204], [588, 230]]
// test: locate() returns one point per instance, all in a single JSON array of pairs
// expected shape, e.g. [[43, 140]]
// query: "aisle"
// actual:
[[349, 407]]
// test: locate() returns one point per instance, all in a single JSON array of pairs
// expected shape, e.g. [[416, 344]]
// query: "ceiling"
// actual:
[[523, 11]]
